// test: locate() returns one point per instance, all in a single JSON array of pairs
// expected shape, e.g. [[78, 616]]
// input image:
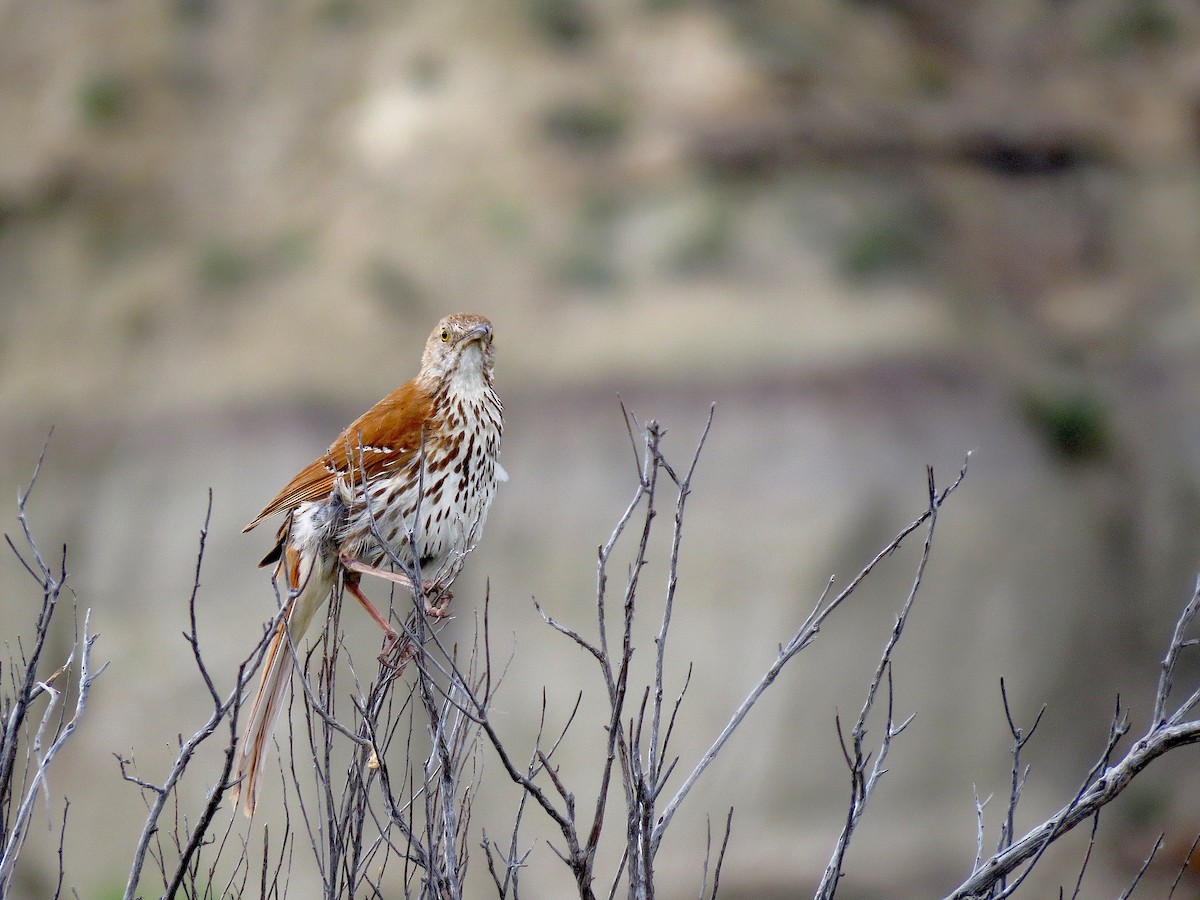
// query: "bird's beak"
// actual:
[[481, 333]]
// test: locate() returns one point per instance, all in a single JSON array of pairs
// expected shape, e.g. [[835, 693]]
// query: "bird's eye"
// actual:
[[445, 335]]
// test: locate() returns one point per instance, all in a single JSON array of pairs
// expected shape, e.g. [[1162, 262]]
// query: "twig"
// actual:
[[226, 709], [862, 783], [685, 487], [1118, 728], [50, 735], [18, 828], [1020, 739], [1126, 894], [27, 687], [1104, 782], [979, 805], [1087, 857], [1183, 867], [803, 637], [1167, 672]]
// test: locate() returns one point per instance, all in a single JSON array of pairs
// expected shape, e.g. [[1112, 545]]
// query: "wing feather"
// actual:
[[385, 437]]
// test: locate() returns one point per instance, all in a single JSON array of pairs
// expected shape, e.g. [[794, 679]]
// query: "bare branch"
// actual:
[[27, 687], [801, 639], [225, 710], [979, 831], [19, 790], [685, 487], [862, 781], [1183, 867], [1020, 739], [1104, 783], [1172, 657], [18, 827], [1126, 894], [1087, 857]]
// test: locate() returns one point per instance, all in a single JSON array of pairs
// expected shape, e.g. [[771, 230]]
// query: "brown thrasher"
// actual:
[[422, 462]]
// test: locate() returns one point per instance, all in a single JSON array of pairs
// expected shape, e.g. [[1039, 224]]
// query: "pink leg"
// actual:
[[392, 638], [363, 569], [435, 610], [356, 592]]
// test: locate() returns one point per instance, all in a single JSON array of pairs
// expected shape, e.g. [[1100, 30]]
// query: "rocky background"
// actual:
[[877, 234]]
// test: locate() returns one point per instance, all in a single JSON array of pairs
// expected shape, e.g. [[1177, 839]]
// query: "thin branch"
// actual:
[[1176, 645], [1118, 727], [1183, 867], [1098, 793], [862, 782], [979, 807], [806, 634], [27, 688], [685, 486], [1020, 739], [1126, 894], [18, 828], [1087, 857], [226, 709]]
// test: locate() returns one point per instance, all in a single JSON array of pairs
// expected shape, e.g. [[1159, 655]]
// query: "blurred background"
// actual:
[[877, 234]]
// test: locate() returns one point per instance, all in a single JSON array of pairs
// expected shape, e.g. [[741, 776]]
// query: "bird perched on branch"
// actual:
[[419, 470]]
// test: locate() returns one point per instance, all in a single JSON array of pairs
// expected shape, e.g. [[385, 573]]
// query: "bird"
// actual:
[[419, 468]]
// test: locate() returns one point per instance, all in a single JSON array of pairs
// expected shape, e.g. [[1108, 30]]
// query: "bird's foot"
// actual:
[[437, 600], [391, 642]]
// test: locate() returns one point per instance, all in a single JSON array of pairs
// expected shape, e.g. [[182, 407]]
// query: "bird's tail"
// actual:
[[316, 578]]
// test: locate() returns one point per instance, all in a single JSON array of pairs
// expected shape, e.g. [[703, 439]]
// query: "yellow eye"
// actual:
[[445, 335]]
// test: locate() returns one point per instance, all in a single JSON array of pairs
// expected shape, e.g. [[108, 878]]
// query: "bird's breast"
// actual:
[[441, 497]]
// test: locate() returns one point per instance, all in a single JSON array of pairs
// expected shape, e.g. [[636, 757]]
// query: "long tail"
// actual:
[[317, 581]]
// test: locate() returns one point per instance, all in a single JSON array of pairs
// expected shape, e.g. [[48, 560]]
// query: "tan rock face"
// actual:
[[877, 239]]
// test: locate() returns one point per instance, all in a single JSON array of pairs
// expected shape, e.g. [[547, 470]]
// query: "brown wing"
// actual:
[[385, 437]]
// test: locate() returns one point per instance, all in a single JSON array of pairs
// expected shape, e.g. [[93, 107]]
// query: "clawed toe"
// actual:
[[393, 640], [437, 600]]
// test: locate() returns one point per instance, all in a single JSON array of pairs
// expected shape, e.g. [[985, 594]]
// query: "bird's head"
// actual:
[[459, 347]]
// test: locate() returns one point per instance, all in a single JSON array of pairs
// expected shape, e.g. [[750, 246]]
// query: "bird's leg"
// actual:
[[435, 610], [363, 569], [392, 636]]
